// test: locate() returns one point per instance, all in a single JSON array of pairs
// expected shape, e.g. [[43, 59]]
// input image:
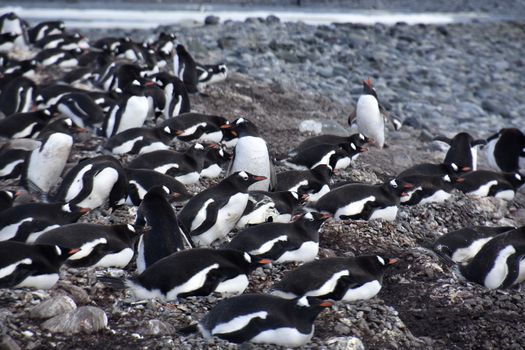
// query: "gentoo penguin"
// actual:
[[364, 201], [165, 44], [7, 198], [196, 272], [185, 69], [175, 93], [63, 41], [213, 213], [140, 181], [139, 140], [313, 182], [262, 318], [338, 278], [81, 108], [196, 126], [44, 165], [43, 29], [430, 169], [500, 262], [356, 139], [463, 150], [11, 23], [164, 236], [20, 222], [463, 244], [109, 44], [33, 266], [211, 73], [13, 155], [483, 183], [65, 59], [7, 42], [49, 96], [92, 182], [270, 207], [297, 241], [130, 111], [251, 154], [339, 155], [428, 189], [98, 245], [24, 125], [368, 116], [17, 96], [14, 69], [216, 159], [183, 166], [505, 150], [79, 75]]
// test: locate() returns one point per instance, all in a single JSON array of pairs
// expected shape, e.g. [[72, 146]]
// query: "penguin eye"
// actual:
[[247, 257], [131, 228], [66, 208], [393, 183], [295, 195], [381, 260], [198, 146], [68, 122], [221, 153]]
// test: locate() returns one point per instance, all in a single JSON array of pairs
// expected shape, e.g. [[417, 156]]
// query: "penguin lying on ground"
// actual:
[[505, 150], [140, 181], [313, 182], [357, 139], [483, 183]]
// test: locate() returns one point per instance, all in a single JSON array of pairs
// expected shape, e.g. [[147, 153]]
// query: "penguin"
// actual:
[[140, 181], [13, 155], [309, 158], [185, 69], [63, 125], [270, 207], [251, 154], [49, 96], [14, 68], [92, 182], [282, 242], [196, 126], [130, 111], [22, 222], [130, 51], [139, 141], [7, 42], [57, 58], [184, 167], [483, 183], [63, 41], [364, 201], [124, 74], [359, 140], [438, 170], [11, 23], [7, 198], [24, 125], [44, 165], [262, 318], [505, 150], [33, 266], [462, 245], [109, 44], [80, 75], [165, 44], [81, 108], [463, 150], [196, 272], [213, 213], [164, 236], [499, 263], [17, 96], [216, 159], [429, 189], [339, 278], [313, 182], [44, 29], [210, 74], [175, 94], [98, 245]]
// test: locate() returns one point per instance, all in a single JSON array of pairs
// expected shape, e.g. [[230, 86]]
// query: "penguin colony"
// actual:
[[134, 99]]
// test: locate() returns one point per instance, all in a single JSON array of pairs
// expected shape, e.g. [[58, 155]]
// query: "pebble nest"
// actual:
[[438, 79]]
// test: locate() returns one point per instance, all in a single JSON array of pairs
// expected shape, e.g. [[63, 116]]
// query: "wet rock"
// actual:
[[85, 319], [53, 307]]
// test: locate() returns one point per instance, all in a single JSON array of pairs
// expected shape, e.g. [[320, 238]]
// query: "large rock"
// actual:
[[85, 319], [53, 307], [8, 343]]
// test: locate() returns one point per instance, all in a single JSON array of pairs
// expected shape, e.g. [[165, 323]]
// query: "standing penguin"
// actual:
[[337, 278], [11, 23], [251, 154], [262, 318], [462, 151], [175, 94], [213, 213], [505, 150], [165, 236], [45, 164], [185, 69]]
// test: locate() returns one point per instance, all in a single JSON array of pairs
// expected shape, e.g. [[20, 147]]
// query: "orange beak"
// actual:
[[179, 132], [149, 83], [326, 304], [84, 210], [392, 261], [408, 186], [460, 180], [226, 126], [326, 216], [465, 169], [259, 178], [73, 251], [265, 261]]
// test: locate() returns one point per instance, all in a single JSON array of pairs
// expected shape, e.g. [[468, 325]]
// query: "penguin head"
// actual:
[[515, 179], [399, 186], [242, 127], [244, 179], [368, 89], [243, 260], [312, 220], [129, 233], [310, 307], [377, 264], [359, 139], [56, 254]]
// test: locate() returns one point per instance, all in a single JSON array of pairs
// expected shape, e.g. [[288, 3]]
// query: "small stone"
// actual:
[[85, 319], [157, 327], [8, 343], [346, 343], [211, 20], [311, 126], [78, 294], [272, 19], [53, 307]]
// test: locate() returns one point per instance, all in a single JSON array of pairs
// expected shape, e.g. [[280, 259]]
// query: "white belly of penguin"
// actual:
[[499, 271], [189, 178], [9, 269], [521, 274], [307, 252], [388, 213], [353, 208], [329, 286], [155, 146], [9, 231], [369, 120], [135, 114], [314, 197], [366, 291], [214, 137], [284, 336], [227, 217], [76, 185], [8, 169], [491, 145], [33, 236], [483, 190], [102, 184], [120, 259], [212, 171], [24, 132], [507, 195], [233, 286], [438, 197], [258, 216], [126, 146], [251, 155], [39, 282], [463, 255]]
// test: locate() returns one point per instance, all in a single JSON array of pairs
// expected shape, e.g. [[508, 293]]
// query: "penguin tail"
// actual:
[[439, 255], [192, 328], [116, 283]]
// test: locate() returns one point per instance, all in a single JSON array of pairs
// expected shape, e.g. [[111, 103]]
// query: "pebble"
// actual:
[[211, 20], [85, 319], [53, 307], [345, 343]]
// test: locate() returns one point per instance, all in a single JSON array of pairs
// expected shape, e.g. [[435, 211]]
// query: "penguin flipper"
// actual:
[[352, 118], [212, 212]]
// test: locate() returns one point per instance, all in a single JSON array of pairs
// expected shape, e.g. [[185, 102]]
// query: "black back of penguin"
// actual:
[[186, 69], [165, 236], [24, 125], [506, 150], [462, 151], [17, 96], [44, 29]]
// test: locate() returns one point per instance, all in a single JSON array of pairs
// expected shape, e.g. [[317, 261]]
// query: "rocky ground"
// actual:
[[439, 80]]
